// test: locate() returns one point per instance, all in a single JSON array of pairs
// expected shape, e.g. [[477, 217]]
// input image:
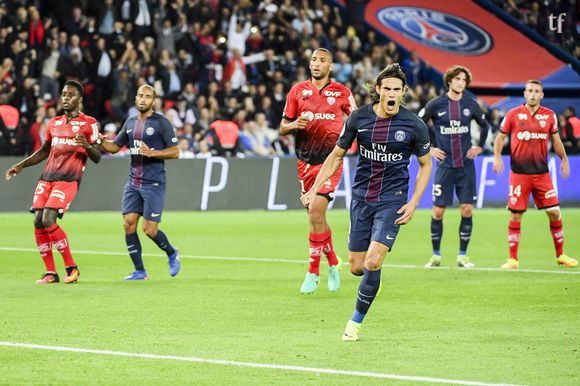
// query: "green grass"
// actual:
[[479, 325]]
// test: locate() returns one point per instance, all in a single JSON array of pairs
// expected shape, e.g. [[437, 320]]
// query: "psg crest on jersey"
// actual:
[[436, 29]]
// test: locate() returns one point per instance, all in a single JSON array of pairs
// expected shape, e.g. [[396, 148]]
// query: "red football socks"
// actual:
[[45, 248], [315, 253], [323, 241], [60, 241], [514, 238], [558, 236]]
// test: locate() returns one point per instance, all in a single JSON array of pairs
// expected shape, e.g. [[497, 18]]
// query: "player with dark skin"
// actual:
[[71, 102], [144, 101]]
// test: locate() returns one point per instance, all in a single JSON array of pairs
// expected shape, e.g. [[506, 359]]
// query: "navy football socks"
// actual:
[[367, 291], [134, 248], [465, 228], [161, 240], [436, 234]]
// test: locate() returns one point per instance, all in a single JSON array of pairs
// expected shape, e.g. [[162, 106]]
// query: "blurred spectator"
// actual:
[[242, 59], [238, 33], [9, 119], [535, 15], [254, 140], [342, 68], [180, 114], [302, 23], [204, 151], [571, 131], [414, 69], [223, 137], [184, 149]]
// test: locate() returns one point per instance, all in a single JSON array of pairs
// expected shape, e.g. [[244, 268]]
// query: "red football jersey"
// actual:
[[66, 161], [529, 138], [326, 109]]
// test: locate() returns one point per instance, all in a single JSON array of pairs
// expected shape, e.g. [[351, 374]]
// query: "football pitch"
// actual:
[[234, 314]]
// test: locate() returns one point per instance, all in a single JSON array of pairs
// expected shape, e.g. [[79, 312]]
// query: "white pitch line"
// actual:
[[267, 260], [250, 364]]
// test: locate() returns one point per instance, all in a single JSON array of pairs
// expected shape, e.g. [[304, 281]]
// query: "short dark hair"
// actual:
[[76, 85], [393, 70], [327, 52], [453, 71], [534, 81]]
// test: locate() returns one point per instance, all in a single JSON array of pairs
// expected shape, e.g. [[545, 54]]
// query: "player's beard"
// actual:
[[145, 109], [322, 75]]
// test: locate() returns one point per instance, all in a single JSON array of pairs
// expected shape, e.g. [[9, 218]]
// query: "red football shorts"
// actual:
[[307, 174], [541, 187], [54, 194]]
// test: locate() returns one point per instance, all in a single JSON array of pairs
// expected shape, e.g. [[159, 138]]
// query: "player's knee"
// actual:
[[48, 221], [466, 211], [316, 217], [553, 215], [129, 227], [38, 222], [438, 212], [150, 231], [373, 263], [517, 217]]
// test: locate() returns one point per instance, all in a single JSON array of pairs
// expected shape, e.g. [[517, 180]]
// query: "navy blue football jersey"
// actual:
[[385, 146], [451, 128], [157, 133]]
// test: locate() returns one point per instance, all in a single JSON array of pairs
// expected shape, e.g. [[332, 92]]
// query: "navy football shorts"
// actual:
[[373, 222], [147, 200], [463, 179]]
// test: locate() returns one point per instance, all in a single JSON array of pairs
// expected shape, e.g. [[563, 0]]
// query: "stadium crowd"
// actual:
[[536, 15], [222, 68]]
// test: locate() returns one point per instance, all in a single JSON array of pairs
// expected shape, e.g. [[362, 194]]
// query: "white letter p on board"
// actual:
[[207, 186]]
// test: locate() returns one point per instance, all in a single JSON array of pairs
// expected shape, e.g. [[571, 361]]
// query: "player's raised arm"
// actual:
[[37, 157], [329, 167]]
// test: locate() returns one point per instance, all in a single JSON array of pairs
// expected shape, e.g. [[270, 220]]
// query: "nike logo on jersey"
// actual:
[[128, 131], [155, 214], [390, 238], [361, 130], [441, 113]]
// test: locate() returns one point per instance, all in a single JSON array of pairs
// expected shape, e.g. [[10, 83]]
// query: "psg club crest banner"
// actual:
[[436, 29], [449, 32]]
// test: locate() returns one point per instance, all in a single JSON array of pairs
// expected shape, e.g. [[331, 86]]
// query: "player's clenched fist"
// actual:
[[81, 140], [301, 122]]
